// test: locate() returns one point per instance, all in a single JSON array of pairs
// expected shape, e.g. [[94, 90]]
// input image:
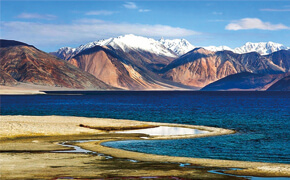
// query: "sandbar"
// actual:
[[28, 145]]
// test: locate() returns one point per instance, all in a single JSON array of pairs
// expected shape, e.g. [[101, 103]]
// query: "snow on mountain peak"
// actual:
[[218, 48], [262, 48], [178, 46], [67, 50], [131, 41], [128, 42], [169, 47]]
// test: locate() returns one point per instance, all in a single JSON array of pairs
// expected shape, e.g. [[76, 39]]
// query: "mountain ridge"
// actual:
[[25, 63], [244, 81], [200, 67], [119, 69], [166, 47], [281, 85]]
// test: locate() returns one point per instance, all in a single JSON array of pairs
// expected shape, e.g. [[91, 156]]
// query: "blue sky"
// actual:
[[50, 25]]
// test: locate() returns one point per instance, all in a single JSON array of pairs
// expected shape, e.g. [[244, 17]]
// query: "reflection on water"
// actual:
[[165, 131]]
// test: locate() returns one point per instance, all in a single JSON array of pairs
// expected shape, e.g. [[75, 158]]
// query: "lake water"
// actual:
[[262, 119]]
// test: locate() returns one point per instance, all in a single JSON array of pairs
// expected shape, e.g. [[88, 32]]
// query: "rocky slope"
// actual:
[[25, 63], [135, 62], [120, 69], [201, 67], [281, 85], [281, 59], [244, 81], [128, 62], [6, 79]]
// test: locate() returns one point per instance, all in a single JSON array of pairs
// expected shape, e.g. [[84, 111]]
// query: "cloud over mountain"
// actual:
[[254, 23], [84, 30]]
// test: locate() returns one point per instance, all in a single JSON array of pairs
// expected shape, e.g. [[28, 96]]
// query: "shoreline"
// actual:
[[43, 133], [33, 89], [41, 90], [247, 168]]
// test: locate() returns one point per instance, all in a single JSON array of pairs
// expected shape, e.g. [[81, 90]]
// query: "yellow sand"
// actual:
[[42, 133]]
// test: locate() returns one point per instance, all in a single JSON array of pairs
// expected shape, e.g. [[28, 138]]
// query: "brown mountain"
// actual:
[[200, 67], [244, 81], [281, 59], [25, 63], [281, 85], [120, 69], [6, 79]]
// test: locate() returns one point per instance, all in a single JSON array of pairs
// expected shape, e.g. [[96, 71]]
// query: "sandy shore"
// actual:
[[28, 89], [40, 135], [9, 90]]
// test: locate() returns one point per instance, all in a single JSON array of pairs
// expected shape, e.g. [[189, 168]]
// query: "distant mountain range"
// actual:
[[125, 43], [166, 47], [143, 63], [200, 67], [138, 63]]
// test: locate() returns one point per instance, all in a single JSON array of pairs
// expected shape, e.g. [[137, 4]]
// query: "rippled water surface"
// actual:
[[262, 119]]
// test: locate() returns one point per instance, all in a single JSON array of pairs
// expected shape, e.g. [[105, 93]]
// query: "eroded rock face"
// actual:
[[201, 67], [6, 79], [113, 69], [27, 64]]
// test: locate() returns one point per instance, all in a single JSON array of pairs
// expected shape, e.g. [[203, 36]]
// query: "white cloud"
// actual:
[[254, 23], [144, 10], [88, 21], [36, 16], [83, 30], [217, 13], [130, 5], [100, 12], [275, 10]]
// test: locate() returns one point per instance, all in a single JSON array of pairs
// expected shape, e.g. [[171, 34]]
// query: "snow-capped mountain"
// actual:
[[165, 47], [125, 43], [67, 50], [102, 42], [65, 53], [262, 48], [178, 46], [218, 48], [131, 41], [182, 46]]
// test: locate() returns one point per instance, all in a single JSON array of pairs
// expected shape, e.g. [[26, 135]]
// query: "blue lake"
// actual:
[[262, 119]]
